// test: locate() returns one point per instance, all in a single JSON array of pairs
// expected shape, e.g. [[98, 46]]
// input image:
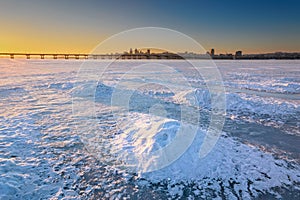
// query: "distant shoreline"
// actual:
[[153, 56]]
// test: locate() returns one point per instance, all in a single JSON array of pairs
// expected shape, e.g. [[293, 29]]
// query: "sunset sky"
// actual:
[[253, 26]]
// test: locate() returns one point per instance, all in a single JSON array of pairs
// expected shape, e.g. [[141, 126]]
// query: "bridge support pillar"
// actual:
[[28, 56], [12, 56], [54, 56], [42, 56]]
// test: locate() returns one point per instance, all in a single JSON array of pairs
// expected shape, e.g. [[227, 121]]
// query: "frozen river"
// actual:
[[52, 148]]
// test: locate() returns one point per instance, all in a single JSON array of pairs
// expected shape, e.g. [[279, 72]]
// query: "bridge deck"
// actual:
[[90, 56]]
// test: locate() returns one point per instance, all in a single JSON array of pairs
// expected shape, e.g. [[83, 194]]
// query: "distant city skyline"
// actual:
[[257, 26], [154, 54]]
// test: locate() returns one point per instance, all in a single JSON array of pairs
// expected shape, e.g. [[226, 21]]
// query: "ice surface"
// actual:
[[44, 154]]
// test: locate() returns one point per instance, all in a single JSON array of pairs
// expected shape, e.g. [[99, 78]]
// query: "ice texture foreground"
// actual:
[[44, 154]]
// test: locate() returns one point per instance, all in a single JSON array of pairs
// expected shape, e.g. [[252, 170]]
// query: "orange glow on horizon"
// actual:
[[23, 42]]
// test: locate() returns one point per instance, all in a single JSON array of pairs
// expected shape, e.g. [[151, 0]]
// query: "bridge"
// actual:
[[89, 56]]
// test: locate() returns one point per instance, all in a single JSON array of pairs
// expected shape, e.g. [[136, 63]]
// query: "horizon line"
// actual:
[[125, 52]]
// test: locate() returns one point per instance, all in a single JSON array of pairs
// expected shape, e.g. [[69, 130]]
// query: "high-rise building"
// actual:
[[238, 53], [212, 52], [136, 51], [148, 51], [130, 51]]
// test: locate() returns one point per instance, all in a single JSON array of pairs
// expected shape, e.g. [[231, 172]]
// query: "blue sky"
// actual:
[[64, 25]]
